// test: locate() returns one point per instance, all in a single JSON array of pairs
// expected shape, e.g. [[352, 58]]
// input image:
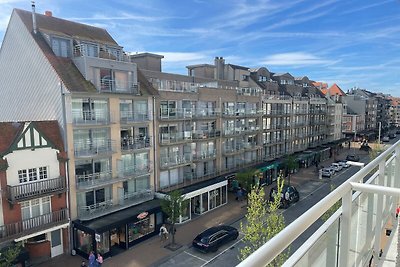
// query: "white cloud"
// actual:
[[295, 58]]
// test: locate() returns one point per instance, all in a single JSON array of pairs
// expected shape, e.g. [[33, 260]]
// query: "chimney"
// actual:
[[219, 63], [34, 18], [48, 13]]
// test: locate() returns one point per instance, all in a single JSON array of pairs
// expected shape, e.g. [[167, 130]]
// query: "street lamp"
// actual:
[[379, 132]]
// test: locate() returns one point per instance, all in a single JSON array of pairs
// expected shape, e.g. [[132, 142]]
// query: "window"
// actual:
[[32, 174], [35, 208], [61, 47]]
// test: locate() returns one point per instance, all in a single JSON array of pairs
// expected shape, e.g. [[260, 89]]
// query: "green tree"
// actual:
[[261, 226], [276, 222], [9, 254], [174, 205], [255, 234], [291, 164], [246, 178], [332, 209]]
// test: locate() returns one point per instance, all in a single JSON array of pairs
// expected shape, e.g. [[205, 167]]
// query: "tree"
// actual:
[[255, 234], [261, 226], [174, 205], [9, 254], [246, 179], [290, 164]]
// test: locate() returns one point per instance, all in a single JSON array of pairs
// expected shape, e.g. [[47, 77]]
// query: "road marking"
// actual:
[[195, 256], [216, 256]]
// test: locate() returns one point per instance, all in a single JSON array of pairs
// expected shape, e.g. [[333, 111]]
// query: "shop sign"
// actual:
[[97, 237], [142, 215], [269, 167]]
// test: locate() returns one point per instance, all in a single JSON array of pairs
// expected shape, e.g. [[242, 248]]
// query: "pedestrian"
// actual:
[[163, 233], [397, 211], [92, 259], [99, 259]]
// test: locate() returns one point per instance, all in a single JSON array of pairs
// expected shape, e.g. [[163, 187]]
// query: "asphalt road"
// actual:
[[310, 194]]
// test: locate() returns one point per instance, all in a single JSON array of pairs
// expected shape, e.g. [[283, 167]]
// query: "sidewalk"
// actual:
[[152, 252]]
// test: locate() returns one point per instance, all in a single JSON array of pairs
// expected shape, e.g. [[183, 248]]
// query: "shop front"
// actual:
[[204, 197], [117, 232], [269, 173]]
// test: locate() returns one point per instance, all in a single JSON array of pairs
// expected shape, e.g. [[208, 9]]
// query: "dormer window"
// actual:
[[262, 79], [61, 47]]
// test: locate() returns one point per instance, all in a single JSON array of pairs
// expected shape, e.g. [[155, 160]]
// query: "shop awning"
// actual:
[[120, 217], [268, 167]]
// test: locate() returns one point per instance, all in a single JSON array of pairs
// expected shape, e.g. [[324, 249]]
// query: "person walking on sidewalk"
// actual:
[[163, 233]]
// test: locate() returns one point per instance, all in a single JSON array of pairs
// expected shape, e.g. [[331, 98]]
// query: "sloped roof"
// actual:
[[66, 28], [238, 67], [320, 85], [10, 131], [335, 90]]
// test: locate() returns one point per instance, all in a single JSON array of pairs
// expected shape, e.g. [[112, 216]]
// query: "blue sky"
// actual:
[[348, 42]]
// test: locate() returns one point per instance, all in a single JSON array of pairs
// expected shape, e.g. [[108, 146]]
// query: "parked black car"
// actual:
[[214, 237], [352, 157], [289, 195]]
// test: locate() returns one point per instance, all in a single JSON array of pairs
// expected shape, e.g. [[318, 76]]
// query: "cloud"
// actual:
[[295, 58], [361, 8]]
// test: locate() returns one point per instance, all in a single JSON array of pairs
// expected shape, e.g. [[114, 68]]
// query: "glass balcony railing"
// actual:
[[356, 232], [203, 155], [92, 117], [135, 142], [174, 160], [171, 138], [88, 148], [131, 116], [92, 179]]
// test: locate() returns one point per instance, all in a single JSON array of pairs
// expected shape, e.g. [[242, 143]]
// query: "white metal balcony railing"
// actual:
[[93, 147], [91, 179], [135, 171], [174, 160], [131, 116], [90, 117], [354, 233], [208, 154], [135, 142], [119, 86], [170, 138]]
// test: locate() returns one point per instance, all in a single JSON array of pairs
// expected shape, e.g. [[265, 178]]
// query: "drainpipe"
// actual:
[[66, 164], [34, 26], [155, 166]]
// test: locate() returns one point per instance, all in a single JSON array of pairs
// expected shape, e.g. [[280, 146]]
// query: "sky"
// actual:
[[354, 43]]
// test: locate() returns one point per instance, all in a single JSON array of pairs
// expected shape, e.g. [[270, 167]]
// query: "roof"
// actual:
[[335, 90], [66, 27], [320, 85], [282, 74], [146, 54], [10, 131], [238, 67]]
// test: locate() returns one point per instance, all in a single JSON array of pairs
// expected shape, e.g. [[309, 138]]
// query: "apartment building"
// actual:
[[382, 113], [33, 181], [394, 111], [79, 76], [205, 129]]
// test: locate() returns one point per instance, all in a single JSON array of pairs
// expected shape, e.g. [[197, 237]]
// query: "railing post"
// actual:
[[379, 207], [345, 226]]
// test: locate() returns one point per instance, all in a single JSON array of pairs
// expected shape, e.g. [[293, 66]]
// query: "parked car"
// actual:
[[343, 163], [336, 166], [214, 237], [326, 172], [392, 135], [352, 157], [289, 195], [385, 139]]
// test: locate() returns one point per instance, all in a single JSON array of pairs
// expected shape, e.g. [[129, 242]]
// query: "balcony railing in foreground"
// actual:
[[354, 233]]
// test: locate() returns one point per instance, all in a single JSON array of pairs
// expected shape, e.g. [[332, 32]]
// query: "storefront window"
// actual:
[[141, 228], [103, 246], [223, 194], [83, 241], [218, 196], [205, 202], [186, 212]]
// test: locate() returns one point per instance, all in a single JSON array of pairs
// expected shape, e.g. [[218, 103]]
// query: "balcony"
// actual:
[[33, 225], [175, 86], [135, 171], [175, 113], [22, 192], [200, 134], [204, 155], [94, 117], [174, 161], [356, 231], [90, 148], [232, 149], [131, 117], [173, 138], [205, 113], [125, 199], [86, 181], [130, 143], [241, 113], [119, 86]]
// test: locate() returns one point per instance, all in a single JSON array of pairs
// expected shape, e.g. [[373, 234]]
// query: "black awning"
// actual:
[[120, 217]]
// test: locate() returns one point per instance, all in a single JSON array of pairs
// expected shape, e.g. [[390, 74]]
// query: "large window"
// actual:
[[33, 209], [61, 47], [32, 174]]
